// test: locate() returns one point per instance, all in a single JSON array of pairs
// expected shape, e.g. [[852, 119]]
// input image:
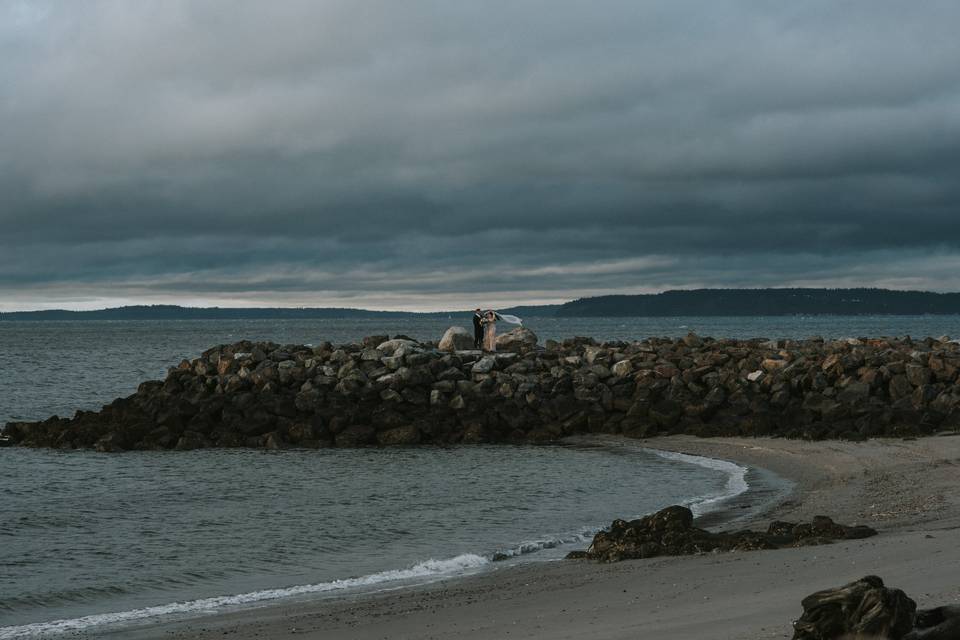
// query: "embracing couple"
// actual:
[[485, 328]]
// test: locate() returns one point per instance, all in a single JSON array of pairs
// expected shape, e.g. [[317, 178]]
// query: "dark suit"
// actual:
[[477, 331]]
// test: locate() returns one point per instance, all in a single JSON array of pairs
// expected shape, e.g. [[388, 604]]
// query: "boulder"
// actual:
[[900, 387], [865, 608], [519, 340], [484, 365], [693, 340], [917, 375], [405, 435], [592, 352], [456, 339], [373, 341], [356, 436], [390, 347], [622, 369], [854, 393], [773, 364]]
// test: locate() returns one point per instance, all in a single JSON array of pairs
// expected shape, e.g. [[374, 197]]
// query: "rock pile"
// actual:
[[399, 392], [670, 532]]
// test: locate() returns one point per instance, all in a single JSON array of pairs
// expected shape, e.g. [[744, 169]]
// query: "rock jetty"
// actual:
[[396, 391], [670, 532]]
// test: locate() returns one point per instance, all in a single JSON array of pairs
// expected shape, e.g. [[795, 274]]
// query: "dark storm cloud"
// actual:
[[416, 154]]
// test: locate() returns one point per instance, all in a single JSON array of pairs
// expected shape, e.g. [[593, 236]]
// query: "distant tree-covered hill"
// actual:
[[766, 302]]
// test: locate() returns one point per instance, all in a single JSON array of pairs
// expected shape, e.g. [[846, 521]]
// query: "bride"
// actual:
[[490, 330], [489, 324]]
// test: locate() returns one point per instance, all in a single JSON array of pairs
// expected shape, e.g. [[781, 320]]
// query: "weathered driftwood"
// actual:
[[861, 609]]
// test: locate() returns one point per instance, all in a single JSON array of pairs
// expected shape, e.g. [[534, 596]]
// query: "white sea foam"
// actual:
[[549, 542], [428, 569], [736, 480]]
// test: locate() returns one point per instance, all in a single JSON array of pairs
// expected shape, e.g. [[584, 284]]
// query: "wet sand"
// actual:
[[905, 489]]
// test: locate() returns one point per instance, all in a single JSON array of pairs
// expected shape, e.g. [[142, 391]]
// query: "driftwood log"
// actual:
[[868, 609]]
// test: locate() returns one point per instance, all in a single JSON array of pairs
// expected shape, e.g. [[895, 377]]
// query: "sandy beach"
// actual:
[[904, 488]]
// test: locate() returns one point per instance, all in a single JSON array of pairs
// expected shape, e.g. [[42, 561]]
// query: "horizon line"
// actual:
[[442, 311]]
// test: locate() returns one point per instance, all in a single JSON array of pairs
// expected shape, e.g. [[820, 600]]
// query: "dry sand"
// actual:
[[905, 489]]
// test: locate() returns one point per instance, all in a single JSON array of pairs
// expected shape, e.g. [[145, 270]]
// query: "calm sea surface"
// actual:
[[89, 539], [94, 539]]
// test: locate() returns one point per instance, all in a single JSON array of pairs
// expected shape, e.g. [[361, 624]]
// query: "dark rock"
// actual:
[[900, 387], [854, 393], [406, 435], [356, 436], [372, 341], [671, 532], [918, 375], [191, 440], [274, 441]]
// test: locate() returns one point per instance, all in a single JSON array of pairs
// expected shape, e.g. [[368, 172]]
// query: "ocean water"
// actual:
[[92, 539]]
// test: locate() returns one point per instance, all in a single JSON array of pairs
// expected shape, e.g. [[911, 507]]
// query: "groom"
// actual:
[[477, 329]]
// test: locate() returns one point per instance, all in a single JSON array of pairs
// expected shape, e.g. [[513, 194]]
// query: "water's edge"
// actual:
[[748, 493], [751, 492]]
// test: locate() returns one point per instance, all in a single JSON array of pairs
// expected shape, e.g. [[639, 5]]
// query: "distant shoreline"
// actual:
[[453, 315], [706, 303]]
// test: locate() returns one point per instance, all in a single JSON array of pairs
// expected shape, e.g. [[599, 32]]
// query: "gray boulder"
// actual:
[[622, 369], [456, 339], [518, 340], [391, 346], [484, 365]]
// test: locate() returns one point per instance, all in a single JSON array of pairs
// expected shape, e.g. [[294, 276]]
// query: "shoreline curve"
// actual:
[[904, 488], [423, 573]]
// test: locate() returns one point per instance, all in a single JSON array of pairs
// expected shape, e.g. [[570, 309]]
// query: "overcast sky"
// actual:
[[436, 155]]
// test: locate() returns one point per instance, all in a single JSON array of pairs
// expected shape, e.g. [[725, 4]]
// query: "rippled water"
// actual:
[[85, 533]]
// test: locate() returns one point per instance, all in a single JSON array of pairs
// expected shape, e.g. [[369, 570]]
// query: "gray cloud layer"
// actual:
[[420, 154]]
